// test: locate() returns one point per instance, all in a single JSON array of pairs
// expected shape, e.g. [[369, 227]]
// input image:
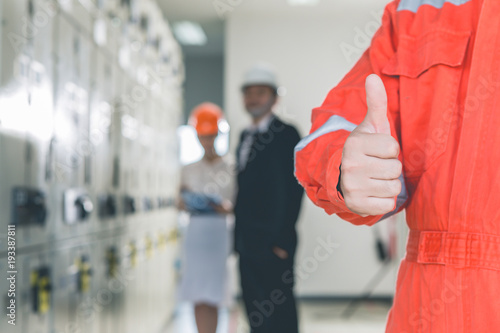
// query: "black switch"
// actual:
[[84, 207], [107, 206], [129, 205], [29, 207]]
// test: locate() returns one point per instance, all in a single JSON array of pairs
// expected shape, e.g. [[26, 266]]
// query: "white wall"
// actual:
[[304, 46]]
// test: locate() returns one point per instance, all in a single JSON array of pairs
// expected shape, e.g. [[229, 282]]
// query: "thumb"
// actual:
[[376, 120]]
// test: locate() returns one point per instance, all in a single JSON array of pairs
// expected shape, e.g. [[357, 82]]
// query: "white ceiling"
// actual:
[[205, 13]]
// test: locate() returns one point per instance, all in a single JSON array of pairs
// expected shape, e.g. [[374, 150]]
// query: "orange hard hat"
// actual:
[[205, 118]]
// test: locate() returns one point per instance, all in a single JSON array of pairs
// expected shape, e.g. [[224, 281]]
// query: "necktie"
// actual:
[[246, 147]]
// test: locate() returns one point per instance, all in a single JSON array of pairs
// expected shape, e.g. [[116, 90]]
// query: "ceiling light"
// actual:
[[189, 33]]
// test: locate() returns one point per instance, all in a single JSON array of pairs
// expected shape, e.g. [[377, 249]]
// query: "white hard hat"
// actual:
[[260, 74]]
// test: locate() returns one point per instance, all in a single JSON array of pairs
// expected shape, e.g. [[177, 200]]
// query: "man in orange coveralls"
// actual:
[[430, 145]]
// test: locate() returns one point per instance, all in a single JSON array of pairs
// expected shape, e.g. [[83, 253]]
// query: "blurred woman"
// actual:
[[207, 191]]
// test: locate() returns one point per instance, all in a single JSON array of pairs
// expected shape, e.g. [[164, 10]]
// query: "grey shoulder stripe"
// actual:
[[334, 123], [414, 5]]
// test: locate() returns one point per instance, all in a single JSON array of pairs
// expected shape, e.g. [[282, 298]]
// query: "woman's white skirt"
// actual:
[[206, 248]]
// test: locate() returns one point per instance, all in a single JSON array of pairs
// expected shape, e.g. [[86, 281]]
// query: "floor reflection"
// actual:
[[315, 316]]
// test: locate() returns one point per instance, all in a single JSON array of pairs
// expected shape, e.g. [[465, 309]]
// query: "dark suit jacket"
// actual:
[[269, 196]]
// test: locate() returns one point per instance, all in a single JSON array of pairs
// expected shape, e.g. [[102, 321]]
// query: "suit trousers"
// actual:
[[267, 285]]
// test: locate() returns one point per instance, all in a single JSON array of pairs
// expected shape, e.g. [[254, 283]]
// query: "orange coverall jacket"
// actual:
[[440, 63]]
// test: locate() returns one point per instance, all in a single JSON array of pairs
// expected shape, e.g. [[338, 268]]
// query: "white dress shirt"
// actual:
[[261, 127]]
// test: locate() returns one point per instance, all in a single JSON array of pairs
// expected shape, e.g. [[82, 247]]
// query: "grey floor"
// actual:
[[315, 317]]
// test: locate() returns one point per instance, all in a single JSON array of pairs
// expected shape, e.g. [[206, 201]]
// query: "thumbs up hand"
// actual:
[[370, 167]]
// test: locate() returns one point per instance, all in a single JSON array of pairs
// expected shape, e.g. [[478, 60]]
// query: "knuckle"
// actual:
[[393, 187], [396, 169], [388, 207], [385, 206], [397, 187], [393, 147], [399, 168], [384, 189]]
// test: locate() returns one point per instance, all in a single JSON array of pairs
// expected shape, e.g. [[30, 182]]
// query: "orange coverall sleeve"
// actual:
[[318, 156]]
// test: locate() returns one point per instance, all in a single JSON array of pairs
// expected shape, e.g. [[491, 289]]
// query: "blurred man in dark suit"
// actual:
[[267, 208]]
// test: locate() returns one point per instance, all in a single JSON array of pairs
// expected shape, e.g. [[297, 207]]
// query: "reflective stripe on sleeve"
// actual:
[[333, 124], [414, 5]]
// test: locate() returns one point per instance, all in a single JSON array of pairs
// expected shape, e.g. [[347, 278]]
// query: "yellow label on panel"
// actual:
[[133, 255], [149, 247], [33, 278], [43, 295]]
